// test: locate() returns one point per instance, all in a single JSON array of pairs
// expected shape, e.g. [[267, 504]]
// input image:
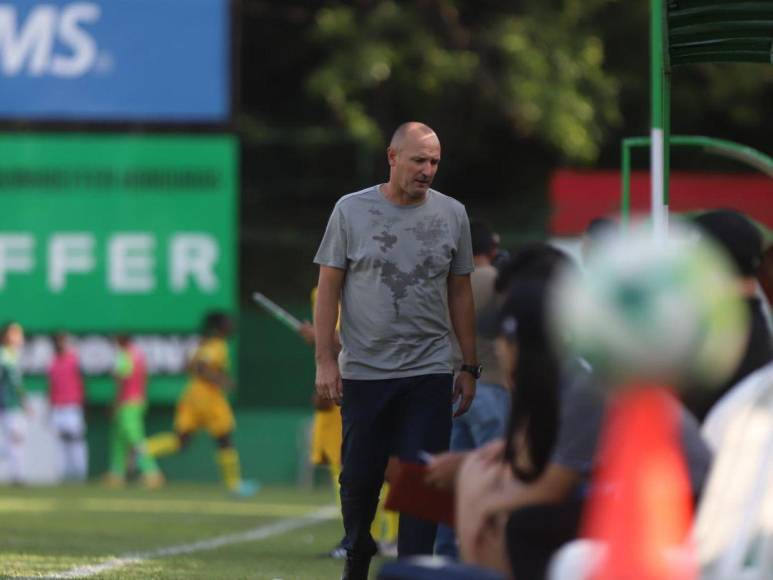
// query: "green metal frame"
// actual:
[[691, 31], [723, 147]]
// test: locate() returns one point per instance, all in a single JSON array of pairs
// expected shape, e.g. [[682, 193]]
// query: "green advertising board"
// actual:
[[116, 233]]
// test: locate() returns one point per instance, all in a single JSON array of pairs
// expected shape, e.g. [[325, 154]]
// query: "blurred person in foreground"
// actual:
[[127, 435], [326, 441], [521, 497], [742, 241], [204, 405], [398, 258], [66, 396], [487, 418], [13, 420], [596, 233]]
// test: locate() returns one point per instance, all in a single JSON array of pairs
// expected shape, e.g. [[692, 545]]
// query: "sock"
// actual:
[[145, 461], [228, 459], [76, 460], [163, 444]]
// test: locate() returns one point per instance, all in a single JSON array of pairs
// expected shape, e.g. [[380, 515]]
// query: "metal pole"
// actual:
[[656, 129], [625, 202]]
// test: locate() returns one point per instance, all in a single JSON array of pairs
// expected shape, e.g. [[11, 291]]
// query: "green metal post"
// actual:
[[625, 202], [666, 141]]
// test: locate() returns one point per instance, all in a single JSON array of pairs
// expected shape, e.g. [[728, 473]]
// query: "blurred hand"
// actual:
[[464, 392], [321, 404], [306, 330], [478, 483], [328, 380], [443, 468]]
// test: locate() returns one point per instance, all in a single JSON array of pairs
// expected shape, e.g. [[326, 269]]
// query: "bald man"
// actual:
[[398, 256]]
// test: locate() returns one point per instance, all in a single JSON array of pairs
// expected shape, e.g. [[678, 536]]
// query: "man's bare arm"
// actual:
[[328, 380], [462, 311]]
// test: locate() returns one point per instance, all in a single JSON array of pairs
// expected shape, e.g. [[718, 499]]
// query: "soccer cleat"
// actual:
[[153, 480], [113, 480], [337, 553], [245, 488]]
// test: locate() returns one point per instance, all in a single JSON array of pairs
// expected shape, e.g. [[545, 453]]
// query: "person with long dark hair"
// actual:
[[519, 499]]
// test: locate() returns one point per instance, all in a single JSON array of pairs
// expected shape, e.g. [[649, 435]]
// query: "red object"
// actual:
[[641, 506], [132, 388], [577, 197], [65, 384], [409, 493]]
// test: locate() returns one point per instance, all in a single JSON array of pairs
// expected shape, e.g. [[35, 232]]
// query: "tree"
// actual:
[[538, 69]]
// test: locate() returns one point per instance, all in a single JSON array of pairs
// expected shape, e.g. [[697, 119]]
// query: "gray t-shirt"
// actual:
[[394, 303], [582, 410]]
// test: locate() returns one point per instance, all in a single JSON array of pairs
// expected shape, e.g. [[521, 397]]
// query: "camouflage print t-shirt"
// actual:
[[394, 304]]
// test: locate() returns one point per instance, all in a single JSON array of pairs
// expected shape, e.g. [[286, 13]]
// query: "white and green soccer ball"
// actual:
[[667, 312]]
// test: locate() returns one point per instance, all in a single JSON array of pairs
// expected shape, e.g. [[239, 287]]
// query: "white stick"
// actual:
[[277, 311]]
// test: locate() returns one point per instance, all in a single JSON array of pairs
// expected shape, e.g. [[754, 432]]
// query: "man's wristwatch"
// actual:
[[474, 370]]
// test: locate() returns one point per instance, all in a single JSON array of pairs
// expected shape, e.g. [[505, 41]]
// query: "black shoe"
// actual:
[[356, 567], [337, 553]]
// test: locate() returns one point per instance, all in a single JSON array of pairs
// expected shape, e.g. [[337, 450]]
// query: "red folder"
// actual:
[[410, 494]]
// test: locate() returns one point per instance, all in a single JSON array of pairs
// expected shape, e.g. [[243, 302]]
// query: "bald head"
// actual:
[[410, 131], [414, 155]]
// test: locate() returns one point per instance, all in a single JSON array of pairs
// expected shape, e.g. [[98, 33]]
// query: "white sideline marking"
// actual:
[[260, 533]]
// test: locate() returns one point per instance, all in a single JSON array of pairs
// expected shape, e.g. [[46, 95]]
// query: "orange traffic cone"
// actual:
[[641, 508]]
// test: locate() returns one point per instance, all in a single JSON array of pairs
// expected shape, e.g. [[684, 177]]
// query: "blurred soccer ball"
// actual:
[[665, 312]]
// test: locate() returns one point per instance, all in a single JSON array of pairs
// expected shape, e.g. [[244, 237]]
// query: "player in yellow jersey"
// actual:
[[326, 439], [204, 405]]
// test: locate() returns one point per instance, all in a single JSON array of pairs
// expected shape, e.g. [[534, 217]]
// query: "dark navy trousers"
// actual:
[[382, 418]]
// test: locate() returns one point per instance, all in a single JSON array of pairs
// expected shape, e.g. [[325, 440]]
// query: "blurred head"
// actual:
[[597, 231], [739, 237], [414, 155], [13, 335], [531, 358], [217, 323], [123, 339], [533, 259], [484, 241], [61, 342], [643, 311]]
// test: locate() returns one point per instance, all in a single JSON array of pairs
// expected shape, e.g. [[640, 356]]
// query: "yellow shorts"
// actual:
[[326, 437], [203, 407]]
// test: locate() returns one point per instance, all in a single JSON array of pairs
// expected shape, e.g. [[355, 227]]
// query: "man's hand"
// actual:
[[328, 380], [442, 469], [464, 392], [306, 330]]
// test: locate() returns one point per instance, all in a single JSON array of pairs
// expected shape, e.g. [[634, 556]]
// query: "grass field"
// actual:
[[181, 531]]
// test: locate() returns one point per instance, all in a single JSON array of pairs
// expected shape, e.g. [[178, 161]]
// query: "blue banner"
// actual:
[[115, 60]]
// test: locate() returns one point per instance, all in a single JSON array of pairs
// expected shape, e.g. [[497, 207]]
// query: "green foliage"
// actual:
[[541, 70]]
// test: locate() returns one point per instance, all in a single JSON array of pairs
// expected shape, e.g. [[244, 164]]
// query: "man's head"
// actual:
[[61, 341], [484, 241], [737, 236], [217, 323], [123, 340], [13, 335], [414, 155]]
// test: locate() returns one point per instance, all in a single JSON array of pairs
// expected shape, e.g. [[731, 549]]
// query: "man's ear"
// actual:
[[392, 156]]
